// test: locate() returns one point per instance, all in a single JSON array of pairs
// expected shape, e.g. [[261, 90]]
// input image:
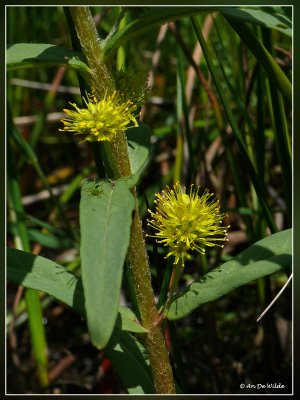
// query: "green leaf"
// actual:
[[39, 273], [263, 258], [45, 239], [105, 220], [53, 242], [129, 359], [127, 321], [138, 146], [130, 181], [268, 19], [34, 55], [152, 17]]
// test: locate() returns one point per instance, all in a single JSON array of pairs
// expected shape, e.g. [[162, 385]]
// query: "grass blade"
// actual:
[[262, 55], [280, 128], [255, 180], [36, 327]]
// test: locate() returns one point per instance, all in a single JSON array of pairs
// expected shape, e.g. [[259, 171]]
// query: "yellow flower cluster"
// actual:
[[186, 222], [101, 120]]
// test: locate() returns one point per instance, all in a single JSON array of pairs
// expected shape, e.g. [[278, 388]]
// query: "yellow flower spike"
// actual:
[[186, 222], [101, 120]]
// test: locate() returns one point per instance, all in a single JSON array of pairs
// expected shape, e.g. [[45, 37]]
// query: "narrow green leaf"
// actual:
[[268, 19], [51, 241], [151, 17], [105, 220], [263, 258], [39, 273], [138, 146], [274, 72], [38, 335], [45, 239], [33, 305], [282, 136], [34, 55], [129, 360]]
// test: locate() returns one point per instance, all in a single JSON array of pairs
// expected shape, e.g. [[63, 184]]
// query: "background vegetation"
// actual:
[[226, 128]]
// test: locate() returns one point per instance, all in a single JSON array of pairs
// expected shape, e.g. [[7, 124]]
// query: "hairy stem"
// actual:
[[117, 153], [155, 342]]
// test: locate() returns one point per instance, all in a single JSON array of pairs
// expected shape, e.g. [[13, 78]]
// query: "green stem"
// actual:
[[177, 268], [38, 337], [163, 295], [87, 33], [170, 285], [117, 155]]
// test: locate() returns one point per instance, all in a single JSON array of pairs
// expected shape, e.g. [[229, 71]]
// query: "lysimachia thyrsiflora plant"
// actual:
[[186, 221]]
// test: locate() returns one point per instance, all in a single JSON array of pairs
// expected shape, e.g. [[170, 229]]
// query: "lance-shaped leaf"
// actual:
[[42, 274], [129, 359], [266, 18], [34, 55], [105, 220], [265, 257], [123, 350]]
